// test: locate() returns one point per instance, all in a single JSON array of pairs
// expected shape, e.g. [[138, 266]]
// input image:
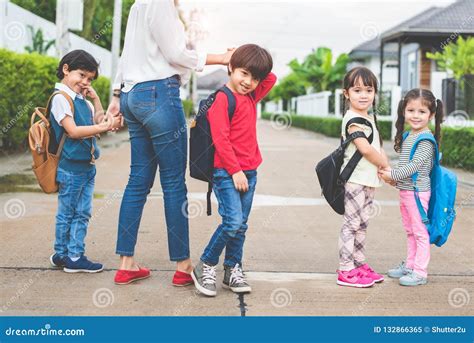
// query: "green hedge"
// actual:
[[327, 126], [27, 80], [456, 144]]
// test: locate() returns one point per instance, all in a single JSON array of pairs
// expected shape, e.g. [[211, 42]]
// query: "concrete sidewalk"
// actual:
[[290, 254]]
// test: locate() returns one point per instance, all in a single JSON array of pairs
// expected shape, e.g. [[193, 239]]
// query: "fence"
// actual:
[[458, 96], [327, 104], [14, 35]]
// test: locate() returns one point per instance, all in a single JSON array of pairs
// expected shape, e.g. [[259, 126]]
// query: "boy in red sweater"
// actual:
[[236, 160]]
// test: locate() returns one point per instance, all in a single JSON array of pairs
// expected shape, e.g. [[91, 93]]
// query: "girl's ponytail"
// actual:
[[400, 125], [439, 116]]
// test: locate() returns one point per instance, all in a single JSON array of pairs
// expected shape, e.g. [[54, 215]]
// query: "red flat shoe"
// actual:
[[181, 279], [124, 277]]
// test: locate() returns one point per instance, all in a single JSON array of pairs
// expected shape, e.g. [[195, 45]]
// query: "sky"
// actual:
[[291, 29]]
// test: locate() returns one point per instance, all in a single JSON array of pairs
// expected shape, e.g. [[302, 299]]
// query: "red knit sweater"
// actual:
[[236, 145]]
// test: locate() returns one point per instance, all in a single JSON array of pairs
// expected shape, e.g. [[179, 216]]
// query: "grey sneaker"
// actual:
[[204, 277], [234, 279], [412, 279], [399, 271]]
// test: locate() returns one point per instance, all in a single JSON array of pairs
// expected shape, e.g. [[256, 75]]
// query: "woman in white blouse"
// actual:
[[154, 63]]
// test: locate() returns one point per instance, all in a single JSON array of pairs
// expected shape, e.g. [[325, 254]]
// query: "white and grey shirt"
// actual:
[[422, 162]]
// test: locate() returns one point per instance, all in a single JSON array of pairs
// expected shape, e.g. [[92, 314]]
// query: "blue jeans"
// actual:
[[158, 138], [76, 190], [234, 208]]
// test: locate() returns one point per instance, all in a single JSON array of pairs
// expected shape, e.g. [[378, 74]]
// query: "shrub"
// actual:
[[328, 126], [27, 82], [188, 107], [456, 144]]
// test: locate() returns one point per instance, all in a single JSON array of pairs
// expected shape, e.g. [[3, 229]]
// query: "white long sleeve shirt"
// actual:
[[155, 46]]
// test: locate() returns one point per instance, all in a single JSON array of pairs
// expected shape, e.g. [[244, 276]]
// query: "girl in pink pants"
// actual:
[[416, 109]]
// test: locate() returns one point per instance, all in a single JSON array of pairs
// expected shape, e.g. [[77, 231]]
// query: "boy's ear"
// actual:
[[229, 68], [65, 69]]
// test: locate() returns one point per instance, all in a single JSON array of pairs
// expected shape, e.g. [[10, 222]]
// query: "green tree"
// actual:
[[38, 44], [98, 17], [289, 87], [44, 8], [457, 58], [320, 71]]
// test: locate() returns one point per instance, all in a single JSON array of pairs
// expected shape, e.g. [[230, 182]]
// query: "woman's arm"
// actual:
[[168, 31]]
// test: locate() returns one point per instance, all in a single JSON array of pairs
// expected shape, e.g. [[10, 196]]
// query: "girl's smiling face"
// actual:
[[417, 115], [77, 79], [360, 96]]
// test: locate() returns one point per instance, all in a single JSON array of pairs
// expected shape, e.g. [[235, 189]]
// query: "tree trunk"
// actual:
[[89, 10]]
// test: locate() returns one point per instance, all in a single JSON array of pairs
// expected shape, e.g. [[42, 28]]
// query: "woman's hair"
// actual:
[[435, 106], [78, 59], [253, 58], [368, 79]]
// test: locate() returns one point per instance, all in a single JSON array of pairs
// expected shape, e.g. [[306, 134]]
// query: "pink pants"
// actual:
[[418, 240]]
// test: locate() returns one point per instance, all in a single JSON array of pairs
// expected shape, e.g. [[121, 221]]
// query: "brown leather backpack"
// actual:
[[45, 163]]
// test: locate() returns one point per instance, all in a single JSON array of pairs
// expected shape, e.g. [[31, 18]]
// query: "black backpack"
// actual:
[[331, 179], [201, 147]]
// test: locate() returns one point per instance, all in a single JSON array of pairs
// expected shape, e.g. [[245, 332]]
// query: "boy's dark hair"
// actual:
[[78, 59], [253, 58], [435, 106]]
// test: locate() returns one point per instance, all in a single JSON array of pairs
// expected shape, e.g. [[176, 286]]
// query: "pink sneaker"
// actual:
[[353, 278], [366, 271]]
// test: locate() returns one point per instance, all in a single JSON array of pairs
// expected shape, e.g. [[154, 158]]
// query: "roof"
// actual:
[[372, 48], [213, 80], [455, 18]]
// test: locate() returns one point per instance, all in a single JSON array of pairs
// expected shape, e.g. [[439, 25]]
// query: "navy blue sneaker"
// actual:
[[57, 260], [82, 265]]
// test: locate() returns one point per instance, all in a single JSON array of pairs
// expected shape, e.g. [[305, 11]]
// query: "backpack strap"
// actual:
[[231, 102], [423, 137], [64, 135], [355, 159], [48, 106]]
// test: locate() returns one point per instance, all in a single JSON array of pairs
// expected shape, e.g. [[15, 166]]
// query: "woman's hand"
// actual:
[[114, 111], [118, 123], [114, 106], [227, 55], [223, 59]]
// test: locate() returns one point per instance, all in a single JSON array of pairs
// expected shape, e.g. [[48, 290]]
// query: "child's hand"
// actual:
[[385, 175], [90, 93], [240, 181], [108, 122]]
